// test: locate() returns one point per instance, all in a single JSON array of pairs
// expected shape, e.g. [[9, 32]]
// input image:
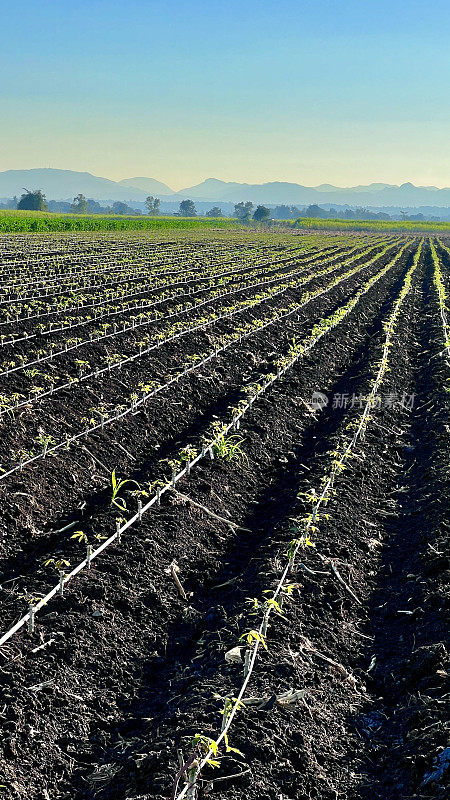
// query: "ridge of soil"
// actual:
[[124, 690]]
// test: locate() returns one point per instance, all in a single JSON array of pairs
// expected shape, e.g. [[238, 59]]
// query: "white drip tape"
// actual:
[[28, 618]]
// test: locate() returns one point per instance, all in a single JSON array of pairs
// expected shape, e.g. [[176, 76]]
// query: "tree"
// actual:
[[187, 209], [79, 205], [282, 212], [59, 207], [32, 201], [152, 204], [261, 214], [95, 208], [243, 211], [122, 208], [315, 211], [215, 211]]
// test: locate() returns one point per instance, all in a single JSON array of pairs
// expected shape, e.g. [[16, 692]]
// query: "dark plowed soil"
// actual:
[[173, 419], [122, 672]]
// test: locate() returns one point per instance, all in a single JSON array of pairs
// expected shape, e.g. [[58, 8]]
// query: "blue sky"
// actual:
[[342, 92]]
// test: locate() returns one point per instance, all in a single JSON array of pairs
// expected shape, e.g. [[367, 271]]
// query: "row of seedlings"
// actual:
[[244, 331], [254, 391], [205, 750]]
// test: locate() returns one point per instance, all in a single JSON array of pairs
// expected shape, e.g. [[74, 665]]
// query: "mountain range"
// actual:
[[65, 184]]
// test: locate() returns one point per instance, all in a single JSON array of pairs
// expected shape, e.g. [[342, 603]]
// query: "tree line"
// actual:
[[35, 200], [244, 211]]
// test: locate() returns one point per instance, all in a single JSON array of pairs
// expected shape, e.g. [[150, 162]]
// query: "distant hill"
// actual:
[[61, 184], [64, 184], [147, 185], [380, 194]]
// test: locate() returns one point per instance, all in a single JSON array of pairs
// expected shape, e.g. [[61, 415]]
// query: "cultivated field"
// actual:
[[41, 221], [224, 497]]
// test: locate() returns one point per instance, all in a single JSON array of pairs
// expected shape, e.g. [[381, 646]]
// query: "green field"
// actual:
[[40, 222], [376, 225]]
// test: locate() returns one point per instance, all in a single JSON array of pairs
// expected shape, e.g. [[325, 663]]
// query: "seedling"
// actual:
[[175, 466], [59, 564], [31, 599], [44, 439], [273, 604], [188, 453], [204, 745], [229, 705], [117, 486], [254, 604], [254, 636], [153, 487], [80, 536], [147, 388], [82, 366], [224, 446]]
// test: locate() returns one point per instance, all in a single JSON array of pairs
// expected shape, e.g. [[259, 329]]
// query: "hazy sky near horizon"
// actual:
[[308, 91]]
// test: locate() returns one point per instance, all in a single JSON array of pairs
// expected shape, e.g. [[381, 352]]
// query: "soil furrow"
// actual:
[[170, 536], [199, 402]]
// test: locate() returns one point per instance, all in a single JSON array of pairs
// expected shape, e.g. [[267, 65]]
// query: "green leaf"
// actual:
[[234, 750]]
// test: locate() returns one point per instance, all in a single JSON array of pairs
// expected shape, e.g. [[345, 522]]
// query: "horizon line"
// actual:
[[241, 182]]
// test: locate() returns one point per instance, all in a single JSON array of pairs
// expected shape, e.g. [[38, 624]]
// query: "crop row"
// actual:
[[442, 293], [48, 298], [150, 284], [127, 272], [194, 258], [191, 457], [174, 260], [172, 292], [145, 391], [41, 267], [108, 263], [33, 257], [98, 411], [204, 749], [144, 318]]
